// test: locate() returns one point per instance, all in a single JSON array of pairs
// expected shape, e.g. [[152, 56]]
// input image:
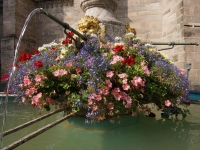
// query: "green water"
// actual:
[[132, 133]]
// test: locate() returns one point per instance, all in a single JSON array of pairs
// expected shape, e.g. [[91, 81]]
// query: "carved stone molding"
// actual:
[[55, 3]]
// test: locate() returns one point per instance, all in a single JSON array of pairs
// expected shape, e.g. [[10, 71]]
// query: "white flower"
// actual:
[[62, 56], [93, 35], [130, 34], [118, 39], [63, 51]]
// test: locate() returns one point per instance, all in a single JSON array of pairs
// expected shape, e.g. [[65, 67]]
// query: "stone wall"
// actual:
[[191, 22], [23, 9], [1, 32], [47, 29], [154, 20], [8, 37], [14, 16], [172, 30], [144, 15]]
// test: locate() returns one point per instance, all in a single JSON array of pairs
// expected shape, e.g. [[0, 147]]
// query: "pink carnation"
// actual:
[[126, 87], [108, 83], [116, 59], [35, 99], [137, 81], [69, 64], [39, 78], [122, 75], [168, 103], [124, 81], [78, 70], [110, 106], [26, 81], [109, 74], [98, 97], [94, 107], [59, 72]]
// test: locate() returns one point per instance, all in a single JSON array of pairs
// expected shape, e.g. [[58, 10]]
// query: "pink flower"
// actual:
[[110, 106], [69, 64], [137, 81], [57, 58], [98, 97], [168, 103], [124, 81], [101, 118], [92, 96], [122, 75], [50, 101], [124, 96], [90, 102], [78, 70], [116, 90], [35, 99], [126, 87], [116, 59], [39, 78], [26, 81], [105, 92], [146, 70], [109, 74], [94, 107], [182, 71], [117, 96], [102, 45], [31, 91], [128, 105], [60, 72], [108, 83], [24, 100]]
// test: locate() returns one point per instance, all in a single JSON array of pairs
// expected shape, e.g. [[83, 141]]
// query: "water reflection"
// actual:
[[139, 133]]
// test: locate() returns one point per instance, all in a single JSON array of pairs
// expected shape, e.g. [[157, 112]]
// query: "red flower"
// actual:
[[4, 77], [71, 33], [130, 61], [53, 48], [24, 57], [118, 48], [38, 64], [35, 51], [68, 39]]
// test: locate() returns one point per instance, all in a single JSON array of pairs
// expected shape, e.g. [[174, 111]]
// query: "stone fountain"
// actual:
[[103, 10]]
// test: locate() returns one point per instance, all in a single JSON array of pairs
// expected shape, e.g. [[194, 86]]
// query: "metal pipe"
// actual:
[[36, 133], [172, 44], [30, 122], [169, 43], [63, 24]]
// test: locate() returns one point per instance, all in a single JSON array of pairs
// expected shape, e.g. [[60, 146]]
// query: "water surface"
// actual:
[[132, 133]]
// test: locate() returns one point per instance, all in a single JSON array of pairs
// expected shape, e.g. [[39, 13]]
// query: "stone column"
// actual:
[[103, 10]]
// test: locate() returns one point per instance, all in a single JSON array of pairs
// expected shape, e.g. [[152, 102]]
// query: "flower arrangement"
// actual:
[[105, 78]]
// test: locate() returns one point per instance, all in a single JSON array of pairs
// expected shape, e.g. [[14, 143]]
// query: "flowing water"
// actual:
[[132, 133], [14, 67]]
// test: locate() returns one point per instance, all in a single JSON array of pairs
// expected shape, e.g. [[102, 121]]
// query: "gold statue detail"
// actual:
[[89, 25], [129, 29]]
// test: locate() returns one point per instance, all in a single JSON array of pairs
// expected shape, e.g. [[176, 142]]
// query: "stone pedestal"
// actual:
[[103, 11]]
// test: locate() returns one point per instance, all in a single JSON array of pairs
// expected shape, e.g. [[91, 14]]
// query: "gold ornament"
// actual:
[[129, 29], [89, 25]]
